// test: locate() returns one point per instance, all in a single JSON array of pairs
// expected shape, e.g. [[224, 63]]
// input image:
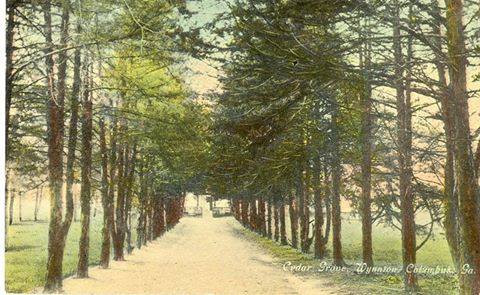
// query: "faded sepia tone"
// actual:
[[242, 147]]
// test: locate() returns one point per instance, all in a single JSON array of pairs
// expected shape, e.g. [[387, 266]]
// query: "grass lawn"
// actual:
[[26, 256], [387, 251], [25, 260], [387, 245]]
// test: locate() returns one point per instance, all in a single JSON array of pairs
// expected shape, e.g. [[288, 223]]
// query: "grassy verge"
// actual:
[[26, 256], [348, 281]]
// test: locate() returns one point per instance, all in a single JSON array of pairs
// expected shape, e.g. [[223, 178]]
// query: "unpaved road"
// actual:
[[199, 256]]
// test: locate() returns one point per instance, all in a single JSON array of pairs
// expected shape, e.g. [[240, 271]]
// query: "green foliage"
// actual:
[[168, 126], [282, 86]]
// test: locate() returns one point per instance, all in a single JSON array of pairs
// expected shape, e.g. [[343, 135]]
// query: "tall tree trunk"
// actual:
[[366, 146], [319, 246], [114, 178], [161, 216], [9, 78], [73, 131], [156, 219], [245, 210], [276, 221], [168, 213], [292, 209], [105, 252], [236, 209], [85, 190], [145, 217], [269, 217], [253, 214], [336, 217], [306, 192], [55, 125], [465, 175], [150, 216], [11, 206], [140, 227], [172, 211], [130, 247], [120, 207], [477, 160], [450, 196], [336, 183], [141, 206], [261, 217], [9, 74], [300, 192], [283, 227], [404, 159], [35, 210], [328, 207], [19, 208], [239, 209], [6, 225], [128, 200]]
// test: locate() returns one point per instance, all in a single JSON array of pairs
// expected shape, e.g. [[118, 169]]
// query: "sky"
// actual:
[[202, 77]]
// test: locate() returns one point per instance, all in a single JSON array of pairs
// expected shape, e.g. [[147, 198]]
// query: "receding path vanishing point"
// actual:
[[199, 256]]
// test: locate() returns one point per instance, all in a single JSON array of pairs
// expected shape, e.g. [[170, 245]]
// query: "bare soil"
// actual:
[[199, 256]]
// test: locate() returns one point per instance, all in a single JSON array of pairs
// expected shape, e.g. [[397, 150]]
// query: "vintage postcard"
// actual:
[[193, 147]]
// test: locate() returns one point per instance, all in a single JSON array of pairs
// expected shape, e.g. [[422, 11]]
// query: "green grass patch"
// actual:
[[26, 256], [387, 245], [350, 282]]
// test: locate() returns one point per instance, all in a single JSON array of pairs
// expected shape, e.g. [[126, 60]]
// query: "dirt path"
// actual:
[[199, 256]]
